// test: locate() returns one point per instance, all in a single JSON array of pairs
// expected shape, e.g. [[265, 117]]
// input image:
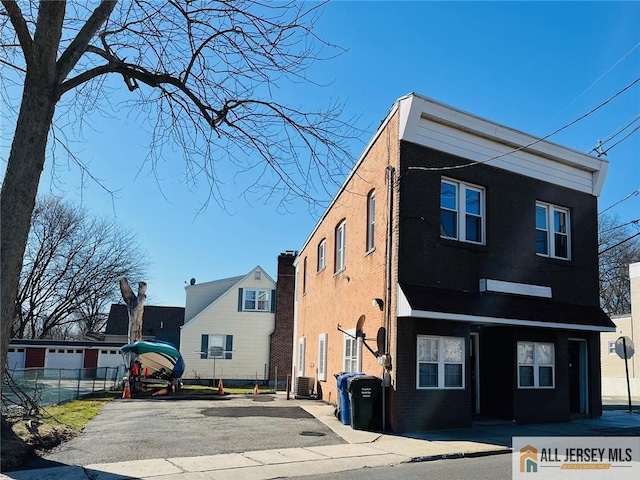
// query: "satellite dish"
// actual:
[[359, 326], [381, 339], [192, 281]]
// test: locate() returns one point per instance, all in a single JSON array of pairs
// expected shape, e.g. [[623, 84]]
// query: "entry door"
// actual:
[[475, 374], [578, 381]]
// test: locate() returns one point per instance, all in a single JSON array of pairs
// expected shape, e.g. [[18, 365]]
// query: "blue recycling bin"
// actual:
[[344, 406]]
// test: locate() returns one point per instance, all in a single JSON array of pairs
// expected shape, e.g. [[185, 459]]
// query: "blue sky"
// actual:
[[533, 66]]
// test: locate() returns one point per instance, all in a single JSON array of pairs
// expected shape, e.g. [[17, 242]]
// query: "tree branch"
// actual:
[[78, 46], [22, 31]]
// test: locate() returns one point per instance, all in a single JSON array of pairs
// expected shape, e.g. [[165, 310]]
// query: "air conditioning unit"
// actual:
[[304, 386]]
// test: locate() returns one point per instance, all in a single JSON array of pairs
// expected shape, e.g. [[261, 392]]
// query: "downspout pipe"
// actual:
[[390, 174]]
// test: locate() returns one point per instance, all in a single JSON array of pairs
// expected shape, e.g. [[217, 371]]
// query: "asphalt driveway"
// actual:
[[164, 427]]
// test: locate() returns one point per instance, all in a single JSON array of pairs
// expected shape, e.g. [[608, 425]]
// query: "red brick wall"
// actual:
[[281, 341], [341, 298]]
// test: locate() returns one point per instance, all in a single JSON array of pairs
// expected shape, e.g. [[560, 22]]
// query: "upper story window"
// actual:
[[552, 231], [371, 220], [304, 276], [461, 211], [612, 347], [256, 300], [341, 231], [322, 254]]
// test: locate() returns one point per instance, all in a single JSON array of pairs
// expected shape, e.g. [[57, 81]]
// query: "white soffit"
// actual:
[[500, 286], [432, 124]]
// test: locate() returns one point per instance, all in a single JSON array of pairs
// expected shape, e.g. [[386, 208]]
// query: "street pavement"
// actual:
[[356, 449]]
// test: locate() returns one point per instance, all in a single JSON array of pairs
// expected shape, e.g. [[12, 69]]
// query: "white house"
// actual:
[[614, 377], [227, 327]]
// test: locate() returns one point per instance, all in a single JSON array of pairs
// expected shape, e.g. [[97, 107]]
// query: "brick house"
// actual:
[[467, 251]]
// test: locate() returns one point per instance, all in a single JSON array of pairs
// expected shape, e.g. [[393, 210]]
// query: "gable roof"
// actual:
[[195, 305], [154, 319]]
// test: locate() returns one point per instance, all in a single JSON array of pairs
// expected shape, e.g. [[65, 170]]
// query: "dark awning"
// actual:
[[496, 308]]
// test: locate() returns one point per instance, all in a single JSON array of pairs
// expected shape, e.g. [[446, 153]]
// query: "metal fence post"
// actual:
[[59, 383], [79, 379]]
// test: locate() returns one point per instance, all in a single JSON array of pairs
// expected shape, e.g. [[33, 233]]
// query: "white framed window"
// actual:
[[322, 357], [216, 345], [536, 365], [322, 254], [341, 231], [441, 362], [302, 347], [553, 231], [371, 220], [352, 352], [612, 347], [256, 300], [462, 211], [304, 276]]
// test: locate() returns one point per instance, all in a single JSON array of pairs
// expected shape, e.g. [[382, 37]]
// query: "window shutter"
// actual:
[[204, 346], [273, 301], [239, 299], [228, 347]]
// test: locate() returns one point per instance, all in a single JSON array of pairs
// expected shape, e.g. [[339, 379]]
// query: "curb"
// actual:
[[453, 456]]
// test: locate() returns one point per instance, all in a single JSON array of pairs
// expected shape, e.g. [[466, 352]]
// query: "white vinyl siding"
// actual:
[[441, 362], [251, 332], [536, 365], [553, 231]]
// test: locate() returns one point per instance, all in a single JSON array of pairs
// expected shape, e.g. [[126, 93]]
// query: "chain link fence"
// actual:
[[52, 386]]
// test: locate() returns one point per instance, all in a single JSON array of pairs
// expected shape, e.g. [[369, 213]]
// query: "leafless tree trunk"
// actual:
[[205, 74], [135, 307]]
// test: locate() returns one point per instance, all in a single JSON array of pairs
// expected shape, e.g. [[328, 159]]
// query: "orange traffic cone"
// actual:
[[134, 370], [256, 390], [146, 372], [127, 390], [220, 387]]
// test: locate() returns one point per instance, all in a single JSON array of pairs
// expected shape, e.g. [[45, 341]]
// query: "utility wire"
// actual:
[[573, 122], [597, 80], [619, 243], [635, 192], [635, 222], [620, 129], [622, 139]]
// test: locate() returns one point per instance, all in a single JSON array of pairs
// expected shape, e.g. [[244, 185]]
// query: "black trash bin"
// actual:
[[365, 393]]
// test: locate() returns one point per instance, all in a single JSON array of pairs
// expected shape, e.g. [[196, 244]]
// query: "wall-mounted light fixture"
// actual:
[[378, 302]]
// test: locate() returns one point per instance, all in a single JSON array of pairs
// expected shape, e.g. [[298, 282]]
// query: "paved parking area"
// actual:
[[165, 427]]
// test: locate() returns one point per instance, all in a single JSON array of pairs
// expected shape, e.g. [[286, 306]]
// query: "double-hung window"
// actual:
[[536, 365], [341, 231], [322, 253], [216, 346], [553, 231], [257, 300], [462, 211], [440, 362], [371, 220]]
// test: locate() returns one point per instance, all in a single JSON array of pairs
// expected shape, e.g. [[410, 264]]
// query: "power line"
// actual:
[[598, 148], [634, 222], [597, 80], [632, 194], [622, 139], [619, 243], [573, 122]]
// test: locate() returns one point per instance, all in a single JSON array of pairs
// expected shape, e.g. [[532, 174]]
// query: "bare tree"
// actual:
[[203, 77], [71, 269], [619, 246]]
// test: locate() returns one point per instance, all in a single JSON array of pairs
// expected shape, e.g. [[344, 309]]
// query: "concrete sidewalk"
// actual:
[[363, 449]]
